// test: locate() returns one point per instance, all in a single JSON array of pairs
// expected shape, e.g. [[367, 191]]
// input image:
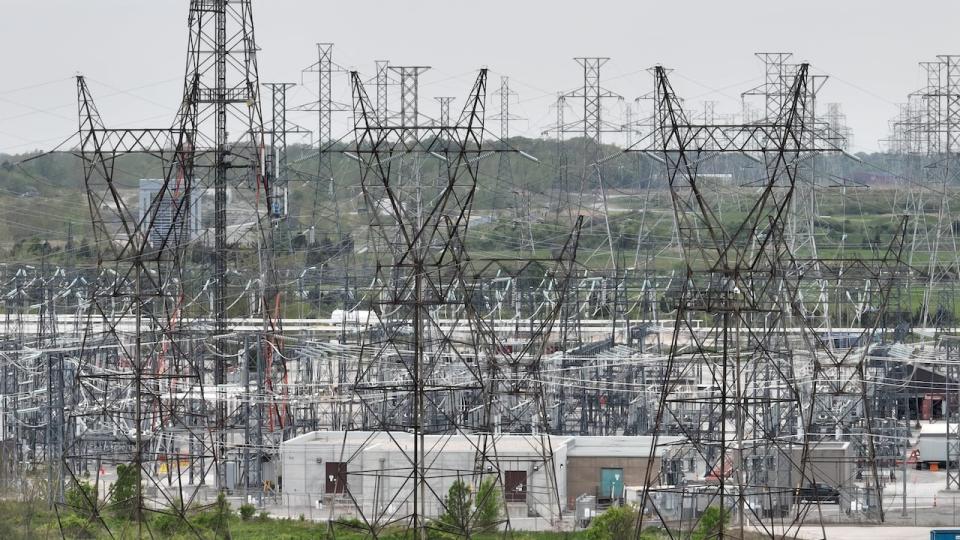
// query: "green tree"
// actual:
[[458, 503], [489, 504], [124, 496], [466, 514]]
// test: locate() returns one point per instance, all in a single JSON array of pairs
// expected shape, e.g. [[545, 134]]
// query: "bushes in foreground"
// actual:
[[32, 520]]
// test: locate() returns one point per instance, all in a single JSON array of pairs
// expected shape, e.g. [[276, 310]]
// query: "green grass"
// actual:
[[34, 521]]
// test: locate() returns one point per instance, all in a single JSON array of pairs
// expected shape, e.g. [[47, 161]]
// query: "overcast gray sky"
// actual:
[[133, 51]]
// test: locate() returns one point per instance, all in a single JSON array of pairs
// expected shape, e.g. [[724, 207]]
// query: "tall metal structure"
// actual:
[[382, 80], [777, 81], [929, 128], [409, 94], [814, 181], [505, 187], [224, 81], [276, 165], [277, 159], [445, 102], [167, 365], [591, 124], [325, 107], [149, 298], [174, 402], [951, 402], [751, 422], [504, 116], [426, 288]]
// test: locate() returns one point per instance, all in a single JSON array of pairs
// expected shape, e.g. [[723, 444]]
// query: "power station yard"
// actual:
[[450, 279]]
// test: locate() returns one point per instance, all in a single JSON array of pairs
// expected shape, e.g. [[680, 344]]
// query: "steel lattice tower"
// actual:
[[278, 149], [325, 106], [444, 102], [424, 274], [747, 281], [382, 80], [224, 81], [170, 386], [409, 93]]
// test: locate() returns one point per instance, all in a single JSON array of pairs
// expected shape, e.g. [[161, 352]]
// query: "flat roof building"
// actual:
[[173, 218], [372, 470]]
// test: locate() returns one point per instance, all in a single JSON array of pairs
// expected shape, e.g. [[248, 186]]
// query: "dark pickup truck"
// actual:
[[817, 493]]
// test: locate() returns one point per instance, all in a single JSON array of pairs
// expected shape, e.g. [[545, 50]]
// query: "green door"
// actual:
[[611, 483]]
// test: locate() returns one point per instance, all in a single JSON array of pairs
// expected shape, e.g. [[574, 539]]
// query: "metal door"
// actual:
[[611, 483]]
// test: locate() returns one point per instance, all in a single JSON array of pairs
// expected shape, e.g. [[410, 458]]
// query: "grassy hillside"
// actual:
[[522, 204]]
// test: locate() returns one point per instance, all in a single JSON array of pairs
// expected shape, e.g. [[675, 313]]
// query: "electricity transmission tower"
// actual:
[[427, 291], [325, 107], [154, 383], [519, 197], [745, 279]]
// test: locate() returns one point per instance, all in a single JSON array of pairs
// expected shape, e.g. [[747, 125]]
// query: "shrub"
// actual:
[[712, 522], [617, 523], [456, 517], [81, 497], [217, 518], [247, 511], [171, 521], [168, 524], [74, 526]]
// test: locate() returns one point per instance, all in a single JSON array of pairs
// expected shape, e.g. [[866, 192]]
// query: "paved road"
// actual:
[[867, 533]]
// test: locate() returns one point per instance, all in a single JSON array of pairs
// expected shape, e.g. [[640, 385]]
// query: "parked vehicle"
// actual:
[[817, 493]]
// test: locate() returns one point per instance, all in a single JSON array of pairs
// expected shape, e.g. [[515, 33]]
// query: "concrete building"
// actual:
[[373, 468], [166, 204], [829, 462], [602, 466]]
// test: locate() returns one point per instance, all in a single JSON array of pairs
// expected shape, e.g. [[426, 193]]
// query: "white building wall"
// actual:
[[378, 471]]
